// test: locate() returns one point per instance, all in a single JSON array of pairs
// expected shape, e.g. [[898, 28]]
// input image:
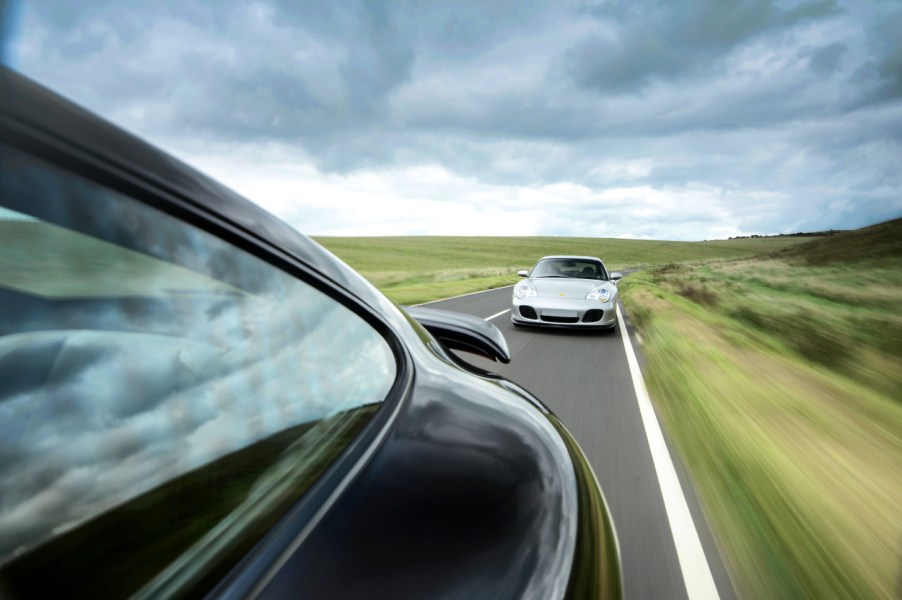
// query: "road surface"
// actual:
[[585, 378]]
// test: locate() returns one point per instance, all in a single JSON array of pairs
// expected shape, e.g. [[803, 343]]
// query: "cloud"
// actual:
[[825, 60], [889, 51], [662, 40], [503, 97]]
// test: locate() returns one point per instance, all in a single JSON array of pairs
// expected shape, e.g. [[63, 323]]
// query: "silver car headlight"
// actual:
[[602, 294], [524, 290]]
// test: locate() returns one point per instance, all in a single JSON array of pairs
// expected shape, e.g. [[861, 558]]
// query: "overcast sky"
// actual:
[[686, 120]]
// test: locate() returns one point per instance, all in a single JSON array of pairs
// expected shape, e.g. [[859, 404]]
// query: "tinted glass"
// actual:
[[567, 267], [164, 396]]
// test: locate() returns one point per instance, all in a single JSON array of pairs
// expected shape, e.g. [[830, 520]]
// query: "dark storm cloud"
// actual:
[[260, 70], [669, 40], [888, 42], [324, 75], [824, 61], [747, 96]]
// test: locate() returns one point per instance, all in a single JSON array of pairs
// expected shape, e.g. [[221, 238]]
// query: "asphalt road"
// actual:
[[585, 379]]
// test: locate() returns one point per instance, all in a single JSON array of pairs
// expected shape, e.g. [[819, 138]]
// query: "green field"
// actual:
[[779, 379], [417, 269]]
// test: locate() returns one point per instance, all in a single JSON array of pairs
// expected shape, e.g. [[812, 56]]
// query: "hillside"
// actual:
[[412, 253], [421, 268], [881, 243]]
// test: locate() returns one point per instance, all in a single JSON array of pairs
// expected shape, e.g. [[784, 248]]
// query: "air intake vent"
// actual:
[[593, 316], [528, 312], [560, 319]]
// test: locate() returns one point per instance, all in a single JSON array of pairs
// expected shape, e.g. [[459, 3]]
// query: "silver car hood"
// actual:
[[564, 287]]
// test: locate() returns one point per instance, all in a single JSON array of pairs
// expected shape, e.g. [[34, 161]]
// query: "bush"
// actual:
[[699, 294], [748, 315], [815, 340], [670, 268]]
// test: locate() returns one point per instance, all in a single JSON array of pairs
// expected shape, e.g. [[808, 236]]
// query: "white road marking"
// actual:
[[507, 310], [696, 572], [463, 295]]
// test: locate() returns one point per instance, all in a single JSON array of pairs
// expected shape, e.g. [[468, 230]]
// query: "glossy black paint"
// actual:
[[464, 486], [467, 498]]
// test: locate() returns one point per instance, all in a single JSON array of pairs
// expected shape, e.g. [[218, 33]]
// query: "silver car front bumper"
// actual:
[[564, 312]]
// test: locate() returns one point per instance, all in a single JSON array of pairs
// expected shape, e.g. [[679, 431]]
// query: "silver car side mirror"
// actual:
[[523, 272], [615, 276]]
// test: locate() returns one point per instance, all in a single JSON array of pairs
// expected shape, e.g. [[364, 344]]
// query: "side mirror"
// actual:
[[523, 272], [615, 276], [459, 331]]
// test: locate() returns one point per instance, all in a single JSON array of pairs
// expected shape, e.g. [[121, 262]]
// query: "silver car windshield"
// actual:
[[570, 268]]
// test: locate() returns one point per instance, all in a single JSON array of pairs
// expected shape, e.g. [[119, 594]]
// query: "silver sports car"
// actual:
[[566, 291]]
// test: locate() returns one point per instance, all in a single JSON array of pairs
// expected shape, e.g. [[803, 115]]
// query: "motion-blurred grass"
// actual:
[[779, 379], [418, 269]]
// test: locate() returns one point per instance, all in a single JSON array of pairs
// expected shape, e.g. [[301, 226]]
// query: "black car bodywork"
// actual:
[[462, 485]]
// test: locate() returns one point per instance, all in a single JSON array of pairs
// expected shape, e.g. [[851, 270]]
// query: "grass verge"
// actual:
[[779, 381]]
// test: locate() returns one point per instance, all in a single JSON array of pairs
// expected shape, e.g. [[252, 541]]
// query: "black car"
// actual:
[[196, 400]]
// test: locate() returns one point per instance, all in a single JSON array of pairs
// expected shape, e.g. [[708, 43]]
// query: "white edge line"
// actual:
[[506, 310], [463, 295], [696, 571]]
